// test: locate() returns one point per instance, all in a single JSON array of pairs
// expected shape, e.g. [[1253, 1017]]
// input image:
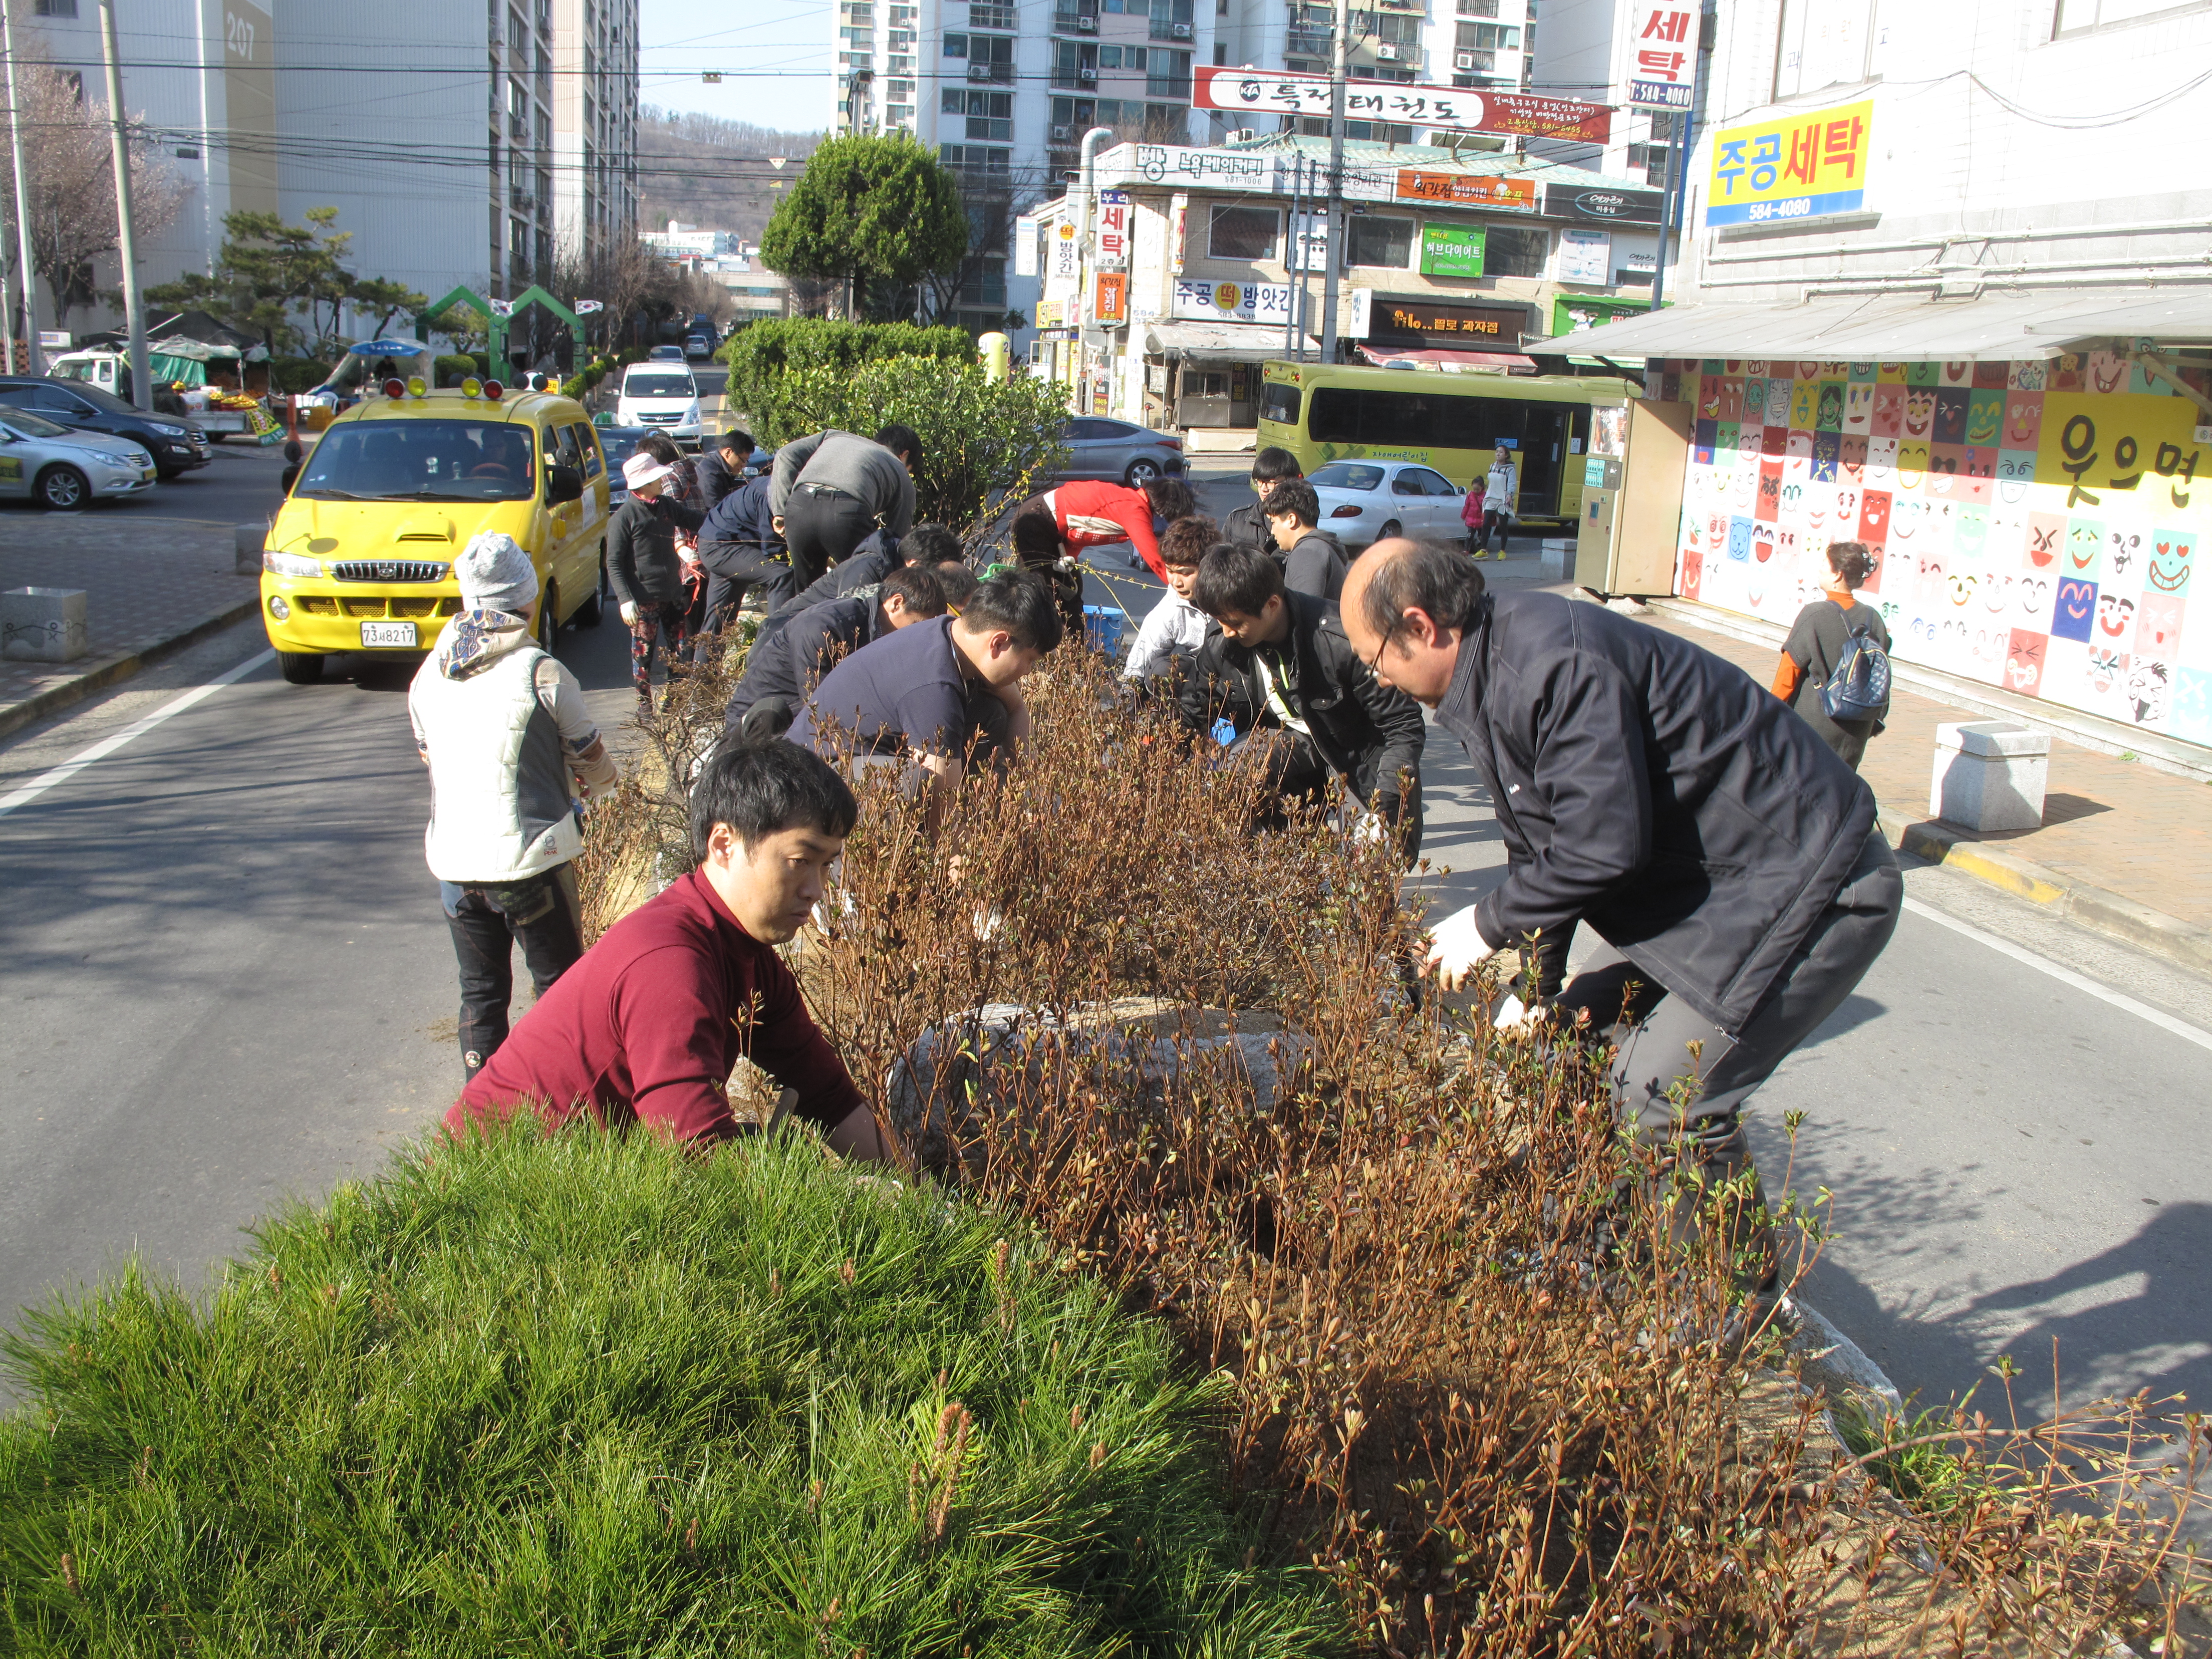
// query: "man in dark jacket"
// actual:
[[722, 467], [1655, 791], [829, 490], [1279, 662], [1246, 524], [875, 558], [1313, 560], [739, 549], [783, 668]]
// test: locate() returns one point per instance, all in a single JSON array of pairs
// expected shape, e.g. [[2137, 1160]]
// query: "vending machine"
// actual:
[[1633, 499]]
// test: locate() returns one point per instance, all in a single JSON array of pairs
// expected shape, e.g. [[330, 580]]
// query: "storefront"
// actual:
[[1418, 321], [1206, 374]]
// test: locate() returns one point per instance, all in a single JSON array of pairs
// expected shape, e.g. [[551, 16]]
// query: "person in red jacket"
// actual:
[[645, 1027], [1091, 513]]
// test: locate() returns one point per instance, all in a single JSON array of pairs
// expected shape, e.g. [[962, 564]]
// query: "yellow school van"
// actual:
[[360, 558]]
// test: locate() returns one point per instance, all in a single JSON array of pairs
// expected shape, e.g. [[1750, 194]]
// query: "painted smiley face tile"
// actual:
[[1985, 418], [1989, 374], [1874, 516], [2106, 673], [1853, 460], [1960, 374], [1755, 402], [2085, 549], [1922, 374], [1828, 416], [2015, 472], [2007, 542], [2158, 627], [1881, 462], [1800, 446], [1731, 400], [1768, 506], [1905, 516], [1709, 397], [1827, 456], [1773, 439], [1740, 532], [1778, 399], [1919, 412], [1977, 469], [2148, 683], [2116, 616], [2105, 372], [1858, 406], [1804, 404], [2066, 373], [2032, 597], [2074, 610], [1913, 459], [1970, 533], [1689, 573], [2191, 716], [2022, 422], [1962, 584], [2123, 555], [1931, 583], [1989, 654], [2173, 556], [1952, 405], [1889, 374], [1888, 418], [1944, 461], [1994, 595], [1704, 439], [2023, 664], [2046, 541], [2025, 375], [1862, 372]]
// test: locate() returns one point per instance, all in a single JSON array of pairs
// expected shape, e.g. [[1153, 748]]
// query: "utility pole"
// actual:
[[1295, 266], [134, 312], [1336, 81], [23, 213]]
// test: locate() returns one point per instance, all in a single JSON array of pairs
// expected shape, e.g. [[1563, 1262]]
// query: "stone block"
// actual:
[[44, 624], [251, 539], [1558, 554], [1990, 775]]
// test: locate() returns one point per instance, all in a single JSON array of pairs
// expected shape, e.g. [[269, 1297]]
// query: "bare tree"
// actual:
[[69, 178]]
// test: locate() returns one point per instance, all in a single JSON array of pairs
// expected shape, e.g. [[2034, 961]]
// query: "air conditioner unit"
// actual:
[[1464, 60], [1241, 135], [979, 71], [1088, 76], [1180, 31], [1063, 134], [1387, 52], [1086, 24]]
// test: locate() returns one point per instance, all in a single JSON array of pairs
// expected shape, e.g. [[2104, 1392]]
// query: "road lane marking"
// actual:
[[76, 763], [2157, 1017]]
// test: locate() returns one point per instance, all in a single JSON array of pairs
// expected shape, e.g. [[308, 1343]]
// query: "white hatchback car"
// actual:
[[66, 469], [1365, 502], [662, 396]]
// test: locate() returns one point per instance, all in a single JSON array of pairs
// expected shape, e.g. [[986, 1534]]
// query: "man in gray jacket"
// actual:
[[503, 728], [829, 491], [1658, 793]]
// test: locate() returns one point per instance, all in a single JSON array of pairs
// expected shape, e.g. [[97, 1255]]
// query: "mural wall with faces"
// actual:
[[2037, 525]]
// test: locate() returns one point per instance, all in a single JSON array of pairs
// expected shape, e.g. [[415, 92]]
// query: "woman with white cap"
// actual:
[[503, 728], [645, 571]]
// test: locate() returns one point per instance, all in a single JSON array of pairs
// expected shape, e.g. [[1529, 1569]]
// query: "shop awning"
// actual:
[[1219, 343], [1911, 327], [1478, 362]]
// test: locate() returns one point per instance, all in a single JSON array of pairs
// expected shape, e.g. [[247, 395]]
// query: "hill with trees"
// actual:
[[712, 173]]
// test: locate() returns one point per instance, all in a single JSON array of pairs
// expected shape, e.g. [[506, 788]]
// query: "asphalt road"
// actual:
[[225, 980]]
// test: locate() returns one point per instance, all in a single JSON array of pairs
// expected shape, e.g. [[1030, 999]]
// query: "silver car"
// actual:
[[1129, 454], [1365, 501], [66, 469]]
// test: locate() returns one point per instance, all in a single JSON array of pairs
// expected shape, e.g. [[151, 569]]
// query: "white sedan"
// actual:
[[1363, 502], [65, 468]]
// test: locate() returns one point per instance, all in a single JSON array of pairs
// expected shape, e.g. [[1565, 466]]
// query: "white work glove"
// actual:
[[629, 614], [1456, 949]]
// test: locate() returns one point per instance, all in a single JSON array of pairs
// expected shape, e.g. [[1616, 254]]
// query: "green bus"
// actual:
[[1324, 412]]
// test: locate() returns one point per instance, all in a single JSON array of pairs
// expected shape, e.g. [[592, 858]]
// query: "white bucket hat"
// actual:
[[644, 469]]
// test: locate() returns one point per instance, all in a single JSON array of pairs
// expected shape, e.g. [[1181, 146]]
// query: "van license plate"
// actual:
[[386, 634]]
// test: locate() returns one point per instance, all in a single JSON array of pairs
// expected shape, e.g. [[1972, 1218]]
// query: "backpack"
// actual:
[[1859, 688]]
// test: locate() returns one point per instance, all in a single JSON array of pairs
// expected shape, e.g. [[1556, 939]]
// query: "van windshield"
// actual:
[[659, 385], [422, 461]]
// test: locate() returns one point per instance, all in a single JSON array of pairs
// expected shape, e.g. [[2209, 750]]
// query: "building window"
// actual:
[[1242, 232], [1374, 239], [986, 284], [1515, 251], [1488, 37], [1122, 57], [1632, 279], [518, 33], [1835, 46], [989, 115], [977, 164], [1477, 7], [1168, 75], [57, 9], [1171, 20], [1398, 30]]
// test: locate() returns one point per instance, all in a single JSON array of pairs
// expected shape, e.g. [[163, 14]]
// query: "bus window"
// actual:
[[1278, 401]]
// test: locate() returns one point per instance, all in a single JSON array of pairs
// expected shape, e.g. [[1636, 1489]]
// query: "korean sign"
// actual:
[[1113, 230], [1604, 205], [1253, 92], [1451, 250], [1232, 302], [1792, 166], [1663, 55], [1585, 256], [1110, 299], [1468, 189], [1474, 325]]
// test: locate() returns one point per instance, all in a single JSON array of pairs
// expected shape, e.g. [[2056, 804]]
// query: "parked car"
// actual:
[[662, 396], [177, 445], [1100, 448], [1363, 502], [698, 346], [665, 354], [62, 468]]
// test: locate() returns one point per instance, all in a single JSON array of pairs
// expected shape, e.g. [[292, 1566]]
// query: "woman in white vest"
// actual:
[[1499, 490], [503, 729]]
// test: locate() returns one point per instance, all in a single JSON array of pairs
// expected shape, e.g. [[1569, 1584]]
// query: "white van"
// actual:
[[662, 396]]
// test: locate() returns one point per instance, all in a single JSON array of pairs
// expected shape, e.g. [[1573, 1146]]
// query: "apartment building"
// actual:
[[1466, 43], [1589, 50], [457, 146]]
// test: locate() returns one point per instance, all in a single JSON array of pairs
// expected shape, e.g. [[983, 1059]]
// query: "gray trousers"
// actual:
[[1660, 1040]]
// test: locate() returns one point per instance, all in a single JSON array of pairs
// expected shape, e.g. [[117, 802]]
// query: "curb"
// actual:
[[120, 666], [2182, 943]]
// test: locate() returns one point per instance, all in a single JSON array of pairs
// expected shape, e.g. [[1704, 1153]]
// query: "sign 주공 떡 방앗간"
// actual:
[[1801, 165]]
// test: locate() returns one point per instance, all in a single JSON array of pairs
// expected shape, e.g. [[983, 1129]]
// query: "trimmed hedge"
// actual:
[[761, 356]]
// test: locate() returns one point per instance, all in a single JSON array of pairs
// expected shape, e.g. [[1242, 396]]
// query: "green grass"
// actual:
[[586, 1394]]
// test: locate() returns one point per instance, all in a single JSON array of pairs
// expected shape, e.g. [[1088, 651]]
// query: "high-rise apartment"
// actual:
[[595, 66], [1588, 50]]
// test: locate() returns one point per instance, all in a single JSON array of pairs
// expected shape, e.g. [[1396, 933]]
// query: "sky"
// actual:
[[774, 65]]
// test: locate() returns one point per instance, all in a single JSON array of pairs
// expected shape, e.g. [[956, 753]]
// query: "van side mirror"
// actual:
[[563, 484]]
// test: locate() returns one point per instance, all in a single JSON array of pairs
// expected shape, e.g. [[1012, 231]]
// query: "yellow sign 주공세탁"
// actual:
[[1800, 165]]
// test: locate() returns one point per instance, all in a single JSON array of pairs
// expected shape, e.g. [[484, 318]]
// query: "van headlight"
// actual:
[[291, 564]]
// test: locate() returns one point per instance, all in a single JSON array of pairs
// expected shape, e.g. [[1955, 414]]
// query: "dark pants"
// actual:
[[540, 914], [1662, 1040], [822, 528], [1495, 521]]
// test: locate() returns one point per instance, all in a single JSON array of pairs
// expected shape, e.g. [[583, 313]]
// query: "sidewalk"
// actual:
[[151, 585], [2122, 848]]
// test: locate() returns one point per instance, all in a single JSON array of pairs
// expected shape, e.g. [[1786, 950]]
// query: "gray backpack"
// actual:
[[1859, 688]]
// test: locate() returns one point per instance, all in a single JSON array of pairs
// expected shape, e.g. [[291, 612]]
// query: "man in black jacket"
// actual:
[[739, 548], [1246, 524], [783, 668], [1729, 859], [876, 557], [1312, 559], [1279, 662], [722, 467]]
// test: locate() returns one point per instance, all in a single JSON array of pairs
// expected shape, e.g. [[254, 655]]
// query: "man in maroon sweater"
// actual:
[[649, 1021]]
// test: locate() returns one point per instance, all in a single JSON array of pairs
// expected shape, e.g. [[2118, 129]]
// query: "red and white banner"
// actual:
[[1454, 109], [1663, 55]]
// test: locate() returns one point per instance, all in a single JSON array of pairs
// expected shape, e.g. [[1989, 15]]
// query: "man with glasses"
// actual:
[[1278, 665]]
